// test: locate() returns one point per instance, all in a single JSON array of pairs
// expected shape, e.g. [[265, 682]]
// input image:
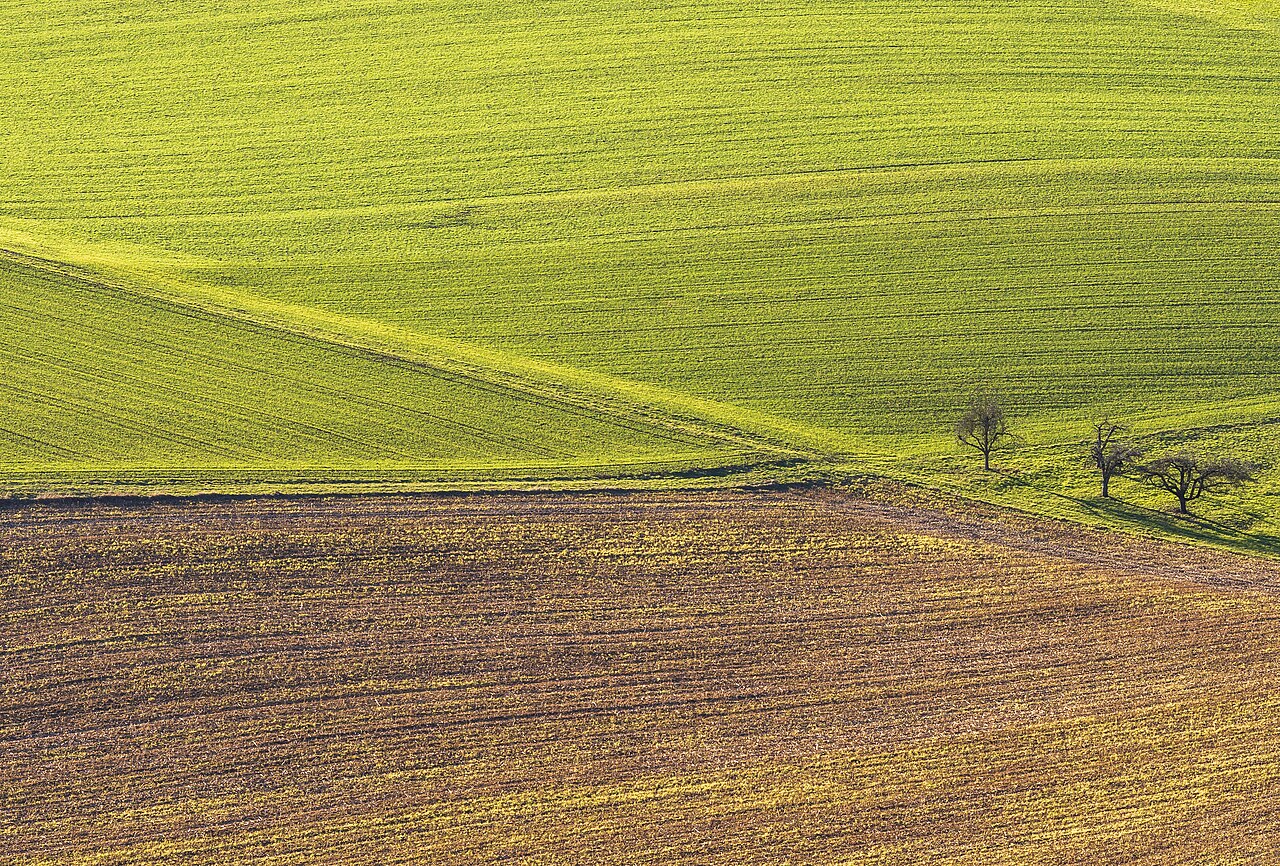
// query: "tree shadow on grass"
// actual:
[[1185, 527], [1189, 527]]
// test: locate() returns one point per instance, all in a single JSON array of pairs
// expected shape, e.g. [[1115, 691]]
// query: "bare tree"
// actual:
[[983, 426], [1109, 453], [1189, 477]]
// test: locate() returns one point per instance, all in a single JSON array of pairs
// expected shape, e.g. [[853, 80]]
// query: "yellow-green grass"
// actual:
[[102, 379], [707, 678], [785, 229]]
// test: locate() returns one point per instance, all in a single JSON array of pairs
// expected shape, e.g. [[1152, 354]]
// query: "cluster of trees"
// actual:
[[1187, 476]]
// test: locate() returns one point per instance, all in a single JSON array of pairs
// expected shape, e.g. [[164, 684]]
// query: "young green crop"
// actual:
[[828, 222]]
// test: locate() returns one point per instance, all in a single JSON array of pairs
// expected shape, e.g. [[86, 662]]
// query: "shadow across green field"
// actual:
[[1120, 513], [1190, 527]]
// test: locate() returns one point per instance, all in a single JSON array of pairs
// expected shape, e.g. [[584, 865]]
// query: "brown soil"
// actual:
[[646, 678]]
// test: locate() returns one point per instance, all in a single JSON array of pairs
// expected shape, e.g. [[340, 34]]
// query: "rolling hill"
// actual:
[[438, 241]]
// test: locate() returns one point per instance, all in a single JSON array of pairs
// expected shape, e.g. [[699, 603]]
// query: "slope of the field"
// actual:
[[103, 380], [843, 214], [715, 678]]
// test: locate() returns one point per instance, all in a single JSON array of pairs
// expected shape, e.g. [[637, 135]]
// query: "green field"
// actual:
[[439, 241]]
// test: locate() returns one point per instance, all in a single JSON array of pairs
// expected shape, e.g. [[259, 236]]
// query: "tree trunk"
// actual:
[[1106, 482], [1182, 505], [986, 460]]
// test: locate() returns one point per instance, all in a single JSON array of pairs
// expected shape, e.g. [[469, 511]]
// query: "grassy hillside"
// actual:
[[143, 379], [719, 679], [100, 377], [820, 225]]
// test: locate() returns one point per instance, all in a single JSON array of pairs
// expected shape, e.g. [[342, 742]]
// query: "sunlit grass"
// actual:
[[812, 229]]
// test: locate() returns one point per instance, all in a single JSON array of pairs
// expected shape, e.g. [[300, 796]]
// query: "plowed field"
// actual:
[[710, 678]]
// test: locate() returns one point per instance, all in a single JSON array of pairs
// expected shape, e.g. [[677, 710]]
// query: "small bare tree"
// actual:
[[1189, 477], [1109, 454], [983, 426]]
